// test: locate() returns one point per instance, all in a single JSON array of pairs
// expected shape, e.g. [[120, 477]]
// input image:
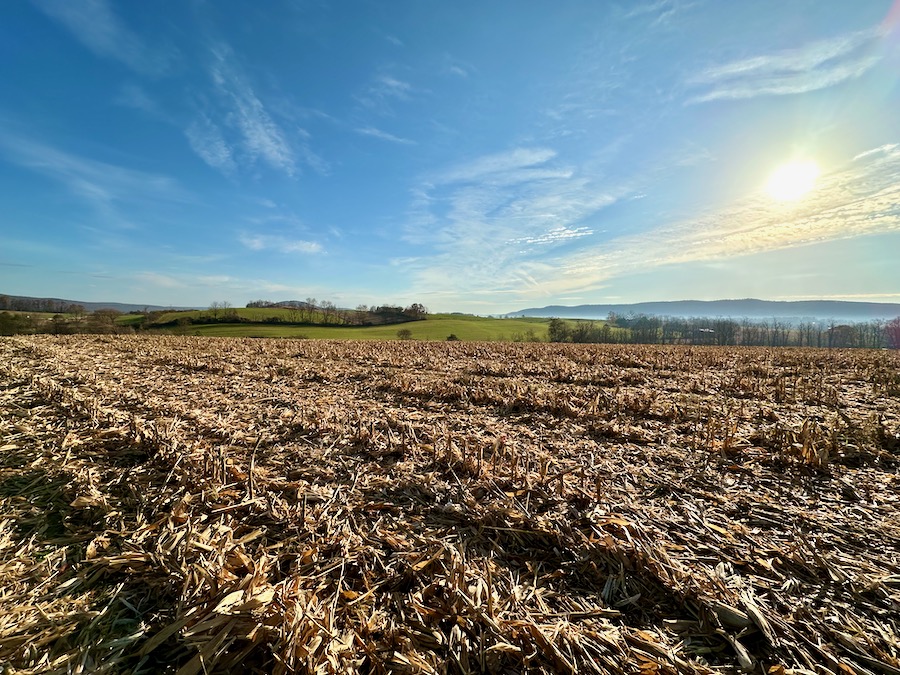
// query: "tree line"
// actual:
[[99, 321], [773, 332], [46, 305], [74, 319], [325, 312]]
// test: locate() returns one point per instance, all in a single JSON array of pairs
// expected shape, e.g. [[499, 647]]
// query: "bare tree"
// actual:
[[892, 332], [361, 313], [329, 311], [416, 310], [103, 321], [310, 309]]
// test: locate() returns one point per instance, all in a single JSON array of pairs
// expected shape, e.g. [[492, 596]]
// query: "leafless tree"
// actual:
[[310, 310], [892, 331]]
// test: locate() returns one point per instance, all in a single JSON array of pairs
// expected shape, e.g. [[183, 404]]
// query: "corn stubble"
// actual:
[[188, 505]]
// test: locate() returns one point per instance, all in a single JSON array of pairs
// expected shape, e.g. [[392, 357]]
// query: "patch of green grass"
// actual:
[[248, 313], [129, 320], [435, 327]]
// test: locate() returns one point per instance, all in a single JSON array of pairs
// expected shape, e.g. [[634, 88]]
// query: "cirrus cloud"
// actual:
[[816, 65], [278, 243]]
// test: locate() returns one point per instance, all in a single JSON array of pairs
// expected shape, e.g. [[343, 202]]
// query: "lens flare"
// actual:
[[790, 182]]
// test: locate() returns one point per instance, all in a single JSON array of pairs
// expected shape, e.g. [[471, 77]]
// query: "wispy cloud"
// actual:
[[157, 279], [206, 140], [498, 165], [660, 12], [260, 137], [490, 219], [817, 65], [313, 160], [97, 27], [498, 236], [102, 185], [457, 67], [134, 96], [555, 234], [649, 8], [383, 91], [862, 198], [393, 39], [266, 242], [882, 150], [384, 135], [215, 279], [860, 297], [387, 86]]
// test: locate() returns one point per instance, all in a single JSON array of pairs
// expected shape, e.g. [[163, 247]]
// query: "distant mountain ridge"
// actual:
[[750, 308], [11, 300]]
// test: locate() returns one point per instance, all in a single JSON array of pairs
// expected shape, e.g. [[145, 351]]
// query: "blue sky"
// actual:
[[473, 156]]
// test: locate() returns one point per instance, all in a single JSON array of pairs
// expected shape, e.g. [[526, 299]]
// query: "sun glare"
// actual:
[[790, 182]]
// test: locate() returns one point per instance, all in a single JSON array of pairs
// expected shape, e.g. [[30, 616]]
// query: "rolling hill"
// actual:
[[792, 311]]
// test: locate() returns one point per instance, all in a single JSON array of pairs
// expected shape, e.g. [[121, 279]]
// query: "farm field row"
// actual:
[[171, 502]]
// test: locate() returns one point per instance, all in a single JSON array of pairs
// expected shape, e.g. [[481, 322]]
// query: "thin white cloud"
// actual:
[[383, 91], [267, 242], [387, 86], [261, 137], [457, 67], [96, 26], [884, 149], [283, 219], [215, 279], [649, 8], [814, 66], [662, 11], [384, 135], [310, 158], [862, 198], [186, 283], [555, 234], [134, 96], [496, 164], [861, 297], [156, 279], [493, 237], [206, 140], [489, 219], [102, 185]]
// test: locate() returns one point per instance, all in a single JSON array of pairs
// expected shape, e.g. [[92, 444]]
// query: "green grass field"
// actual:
[[435, 327], [249, 313], [130, 320]]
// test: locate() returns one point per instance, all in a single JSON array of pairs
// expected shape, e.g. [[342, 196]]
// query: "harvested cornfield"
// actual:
[[194, 505]]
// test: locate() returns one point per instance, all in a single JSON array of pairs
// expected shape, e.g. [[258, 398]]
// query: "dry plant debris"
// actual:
[[189, 505]]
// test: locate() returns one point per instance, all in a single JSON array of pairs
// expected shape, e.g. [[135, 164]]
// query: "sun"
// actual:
[[791, 181]]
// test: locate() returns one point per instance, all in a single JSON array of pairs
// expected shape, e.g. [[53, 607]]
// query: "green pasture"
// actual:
[[248, 313], [435, 327], [130, 320]]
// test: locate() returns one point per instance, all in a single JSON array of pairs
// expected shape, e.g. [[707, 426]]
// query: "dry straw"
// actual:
[[170, 504]]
